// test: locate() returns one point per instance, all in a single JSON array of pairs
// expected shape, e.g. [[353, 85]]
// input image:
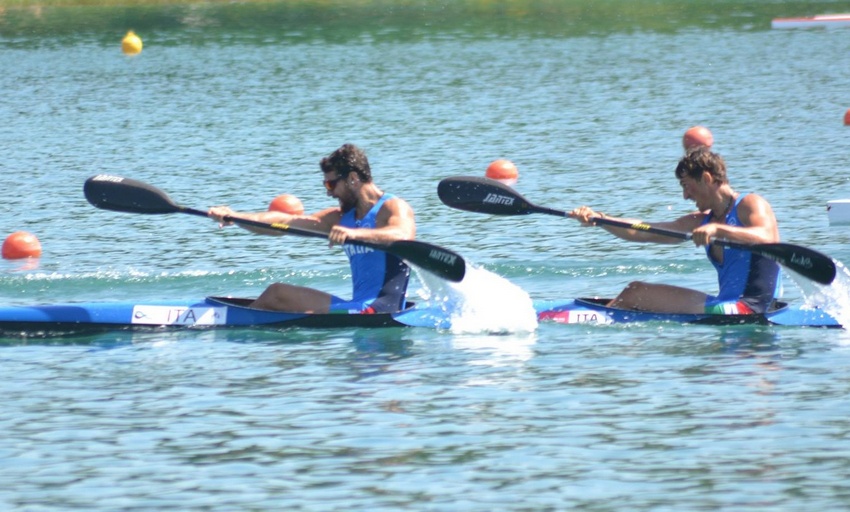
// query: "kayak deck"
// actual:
[[212, 312], [595, 311]]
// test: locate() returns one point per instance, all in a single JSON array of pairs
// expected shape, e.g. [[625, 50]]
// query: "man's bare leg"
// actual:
[[660, 298], [287, 297]]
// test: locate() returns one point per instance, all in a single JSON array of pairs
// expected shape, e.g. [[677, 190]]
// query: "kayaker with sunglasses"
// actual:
[[365, 213]]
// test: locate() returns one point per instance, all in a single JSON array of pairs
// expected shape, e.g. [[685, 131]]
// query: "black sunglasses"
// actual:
[[331, 184]]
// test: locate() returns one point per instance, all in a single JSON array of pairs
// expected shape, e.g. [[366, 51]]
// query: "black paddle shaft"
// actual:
[[483, 195], [120, 194]]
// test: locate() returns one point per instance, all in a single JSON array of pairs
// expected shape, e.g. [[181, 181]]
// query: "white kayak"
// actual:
[[821, 20]]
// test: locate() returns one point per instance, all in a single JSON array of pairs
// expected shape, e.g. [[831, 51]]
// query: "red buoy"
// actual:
[[504, 171], [847, 118], [21, 244], [287, 203], [697, 136]]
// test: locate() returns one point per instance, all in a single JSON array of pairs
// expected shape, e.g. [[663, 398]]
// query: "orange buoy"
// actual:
[[503, 170], [287, 203], [847, 118], [697, 136], [131, 44], [21, 244]]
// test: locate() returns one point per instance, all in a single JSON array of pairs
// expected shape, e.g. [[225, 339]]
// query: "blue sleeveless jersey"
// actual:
[[744, 276], [379, 280]]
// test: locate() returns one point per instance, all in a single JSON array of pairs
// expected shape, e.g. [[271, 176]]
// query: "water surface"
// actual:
[[236, 103]]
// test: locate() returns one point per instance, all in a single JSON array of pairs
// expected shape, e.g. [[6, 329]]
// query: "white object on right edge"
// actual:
[[822, 20], [838, 211]]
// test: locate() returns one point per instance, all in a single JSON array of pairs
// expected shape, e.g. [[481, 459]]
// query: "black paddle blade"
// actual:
[[435, 259], [119, 194], [809, 263], [482, 195]]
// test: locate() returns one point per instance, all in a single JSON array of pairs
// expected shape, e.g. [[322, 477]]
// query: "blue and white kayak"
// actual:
[[209, 313], [226, 312], [595, 311]]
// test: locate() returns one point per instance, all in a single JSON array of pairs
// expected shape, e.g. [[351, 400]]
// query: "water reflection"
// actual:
[[23, 265], [749, 339], [376, 351], [497, 350]]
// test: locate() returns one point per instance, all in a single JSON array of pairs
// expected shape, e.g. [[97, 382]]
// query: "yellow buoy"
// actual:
[[131, 44]]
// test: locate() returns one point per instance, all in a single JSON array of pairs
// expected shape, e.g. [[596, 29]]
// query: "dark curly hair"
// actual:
[[347, 159], [699, 160]]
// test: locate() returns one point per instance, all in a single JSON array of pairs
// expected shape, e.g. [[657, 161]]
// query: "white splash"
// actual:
[[482, 302], [834, 299]]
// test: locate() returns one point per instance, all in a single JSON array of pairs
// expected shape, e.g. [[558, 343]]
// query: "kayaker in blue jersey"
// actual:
[[748, 281], [365, 213]]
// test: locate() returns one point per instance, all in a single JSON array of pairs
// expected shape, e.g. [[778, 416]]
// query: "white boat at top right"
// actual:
[[821, 20]]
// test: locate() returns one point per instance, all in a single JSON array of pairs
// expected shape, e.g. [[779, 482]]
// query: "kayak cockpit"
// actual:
[[242, 302], [596, 310], [240, 312]]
